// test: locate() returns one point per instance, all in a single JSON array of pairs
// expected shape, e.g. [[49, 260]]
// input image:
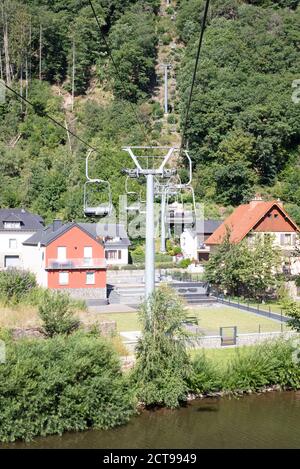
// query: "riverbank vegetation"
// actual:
[[72, 380]]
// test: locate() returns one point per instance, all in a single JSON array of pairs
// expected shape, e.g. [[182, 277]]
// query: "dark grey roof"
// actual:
[[29, 221], [211, 225], [108, 230], [95, 230]]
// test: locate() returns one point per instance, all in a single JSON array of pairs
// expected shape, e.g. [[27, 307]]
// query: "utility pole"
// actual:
[[40, 54], [145, 170], [166, 67], [163, 222], [73, 73]]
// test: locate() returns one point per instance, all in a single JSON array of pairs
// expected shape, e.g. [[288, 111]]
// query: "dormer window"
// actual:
[[12, 225]]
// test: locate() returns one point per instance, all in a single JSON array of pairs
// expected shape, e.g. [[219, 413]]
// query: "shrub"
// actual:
[[61, 384], [57, 314], [162, 364], [263, 365], [184, 263], [291, 309], [204, 377], [138, 255], [15, 284]]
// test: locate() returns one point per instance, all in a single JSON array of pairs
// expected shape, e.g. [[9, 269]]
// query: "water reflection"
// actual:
[[269, 420]]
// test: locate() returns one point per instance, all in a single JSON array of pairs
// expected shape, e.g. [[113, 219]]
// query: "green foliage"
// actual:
[[205, 376], [291, 308], [138, 255], [245, 268], [15, 285], [243, 121], [61, 384], [184, 263], [162, 347], [250, 369], [133, 43], [263, 365], [57, 314]]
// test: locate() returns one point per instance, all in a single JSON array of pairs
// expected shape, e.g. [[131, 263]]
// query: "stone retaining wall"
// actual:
[[214, 341], [85, 293]]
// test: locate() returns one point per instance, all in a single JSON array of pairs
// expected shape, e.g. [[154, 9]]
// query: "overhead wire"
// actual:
[[187, 114], [125, 90]]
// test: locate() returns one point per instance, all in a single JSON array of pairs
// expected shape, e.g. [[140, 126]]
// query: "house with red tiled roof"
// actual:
[[256, 218]]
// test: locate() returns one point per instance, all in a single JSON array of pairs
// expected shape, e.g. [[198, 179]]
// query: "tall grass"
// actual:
[[250, 369]]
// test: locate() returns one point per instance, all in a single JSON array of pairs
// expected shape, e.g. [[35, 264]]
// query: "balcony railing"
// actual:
[[80, 263]]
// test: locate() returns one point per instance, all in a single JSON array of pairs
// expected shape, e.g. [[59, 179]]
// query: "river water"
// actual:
[[270, 420]]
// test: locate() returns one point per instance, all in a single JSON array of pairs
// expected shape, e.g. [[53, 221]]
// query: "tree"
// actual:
[[244, 268], [162, 347], [292, 309]]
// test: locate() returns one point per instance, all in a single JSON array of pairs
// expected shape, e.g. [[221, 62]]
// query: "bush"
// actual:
[[57, 314], [138, 255], [61, 384], [251, 369], [205, 377], [263, 365], [162, 363], [15, 285], [184, 263]]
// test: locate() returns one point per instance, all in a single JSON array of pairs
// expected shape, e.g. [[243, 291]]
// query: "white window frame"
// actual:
[[90, 278], [288, 236], [61, 281], [11, 257], [12, 225], [61, 249], [14, 242]]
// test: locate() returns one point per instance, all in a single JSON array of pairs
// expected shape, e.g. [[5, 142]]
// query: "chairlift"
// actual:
[[136, 205], [92, 207]]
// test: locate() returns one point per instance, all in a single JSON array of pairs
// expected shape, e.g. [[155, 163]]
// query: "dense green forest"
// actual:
[[244, 128]]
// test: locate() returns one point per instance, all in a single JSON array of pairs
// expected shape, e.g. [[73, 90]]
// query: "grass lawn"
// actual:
[[219, 356], [211, 318], [125, 321]]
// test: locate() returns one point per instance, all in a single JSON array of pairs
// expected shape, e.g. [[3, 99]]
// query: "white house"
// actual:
[[116, 243], [16, 225], [192, 242]]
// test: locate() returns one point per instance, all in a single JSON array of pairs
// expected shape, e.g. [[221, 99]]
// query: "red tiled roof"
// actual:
[[243, 219]]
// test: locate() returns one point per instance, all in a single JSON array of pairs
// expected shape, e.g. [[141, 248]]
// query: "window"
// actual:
[[111, 254], [12, 225], [88, 255], [11, 261], [12, 244], [63, 278], [62, 253], [90, 278], [286, 239], [119, 254]]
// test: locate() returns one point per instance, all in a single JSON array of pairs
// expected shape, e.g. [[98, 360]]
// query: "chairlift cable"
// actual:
[[194, 74], [45, 114], [141, 125]]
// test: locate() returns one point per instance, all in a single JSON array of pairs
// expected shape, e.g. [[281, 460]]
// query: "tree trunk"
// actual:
[[5, 45], [40, 54], [73, 75]]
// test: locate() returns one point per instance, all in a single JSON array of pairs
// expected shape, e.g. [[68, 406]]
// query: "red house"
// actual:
[[256, 219], [69, 256]]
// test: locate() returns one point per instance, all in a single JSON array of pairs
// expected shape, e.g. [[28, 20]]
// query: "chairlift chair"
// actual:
[[90, 208], [136, 205]]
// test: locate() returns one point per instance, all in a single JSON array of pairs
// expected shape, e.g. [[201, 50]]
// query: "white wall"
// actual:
[[188, 244], [34, 260], [5, 250], [117, 261]]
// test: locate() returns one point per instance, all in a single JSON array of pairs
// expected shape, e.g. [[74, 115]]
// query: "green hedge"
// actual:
[[251, 369], [61, 384]]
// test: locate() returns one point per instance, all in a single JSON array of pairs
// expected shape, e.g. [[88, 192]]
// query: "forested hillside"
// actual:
[[244, 128]]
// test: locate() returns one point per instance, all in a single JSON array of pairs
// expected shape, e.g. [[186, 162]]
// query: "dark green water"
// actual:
[[269, 420]]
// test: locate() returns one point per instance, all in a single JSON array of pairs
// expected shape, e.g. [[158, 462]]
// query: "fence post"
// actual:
[[259, 328], [281, 326], [269, 311], [281, 315], [258, 307], [248, 305]]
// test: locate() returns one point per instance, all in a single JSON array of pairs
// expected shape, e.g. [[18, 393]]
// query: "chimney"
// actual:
[[56, 224], [256, 199]]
